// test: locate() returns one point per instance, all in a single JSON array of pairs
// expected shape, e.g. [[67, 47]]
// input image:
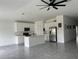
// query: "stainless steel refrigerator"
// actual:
[[53, 34]]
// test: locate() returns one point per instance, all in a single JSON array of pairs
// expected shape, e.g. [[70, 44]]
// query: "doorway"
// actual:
[[53, 34]]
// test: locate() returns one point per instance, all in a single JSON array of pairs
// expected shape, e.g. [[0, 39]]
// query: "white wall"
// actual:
[[39, 27], [60, 31], [69, 34], [7, 36]]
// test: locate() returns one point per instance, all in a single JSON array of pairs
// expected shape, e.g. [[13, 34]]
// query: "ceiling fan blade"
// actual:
[[41, 5], [55, 7], [60, 5], [66, 0], [44, 2], [44, 7], [53, 1], [59, 2]]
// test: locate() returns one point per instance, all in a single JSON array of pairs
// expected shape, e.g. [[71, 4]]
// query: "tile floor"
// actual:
[[43, 51]]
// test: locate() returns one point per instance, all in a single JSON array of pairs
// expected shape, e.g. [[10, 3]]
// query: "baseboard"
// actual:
[[11, 45], [60, 42], [8, 45]]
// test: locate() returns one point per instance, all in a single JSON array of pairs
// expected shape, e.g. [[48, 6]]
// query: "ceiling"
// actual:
[[26, 10], [8, 7]]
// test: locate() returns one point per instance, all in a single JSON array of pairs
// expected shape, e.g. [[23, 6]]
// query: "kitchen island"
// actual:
[[30, 41]]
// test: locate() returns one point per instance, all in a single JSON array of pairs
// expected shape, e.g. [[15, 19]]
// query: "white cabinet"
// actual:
[[19, 39], [20, 26], [33, 40], [39, 27]]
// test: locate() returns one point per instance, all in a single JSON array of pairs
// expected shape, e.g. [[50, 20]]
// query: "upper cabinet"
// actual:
[[20, 26]]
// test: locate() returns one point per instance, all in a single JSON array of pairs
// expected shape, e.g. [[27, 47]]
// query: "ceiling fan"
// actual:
[[53, 3]]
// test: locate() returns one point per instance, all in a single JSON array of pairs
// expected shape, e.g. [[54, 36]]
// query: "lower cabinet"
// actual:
[[19, 39]]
